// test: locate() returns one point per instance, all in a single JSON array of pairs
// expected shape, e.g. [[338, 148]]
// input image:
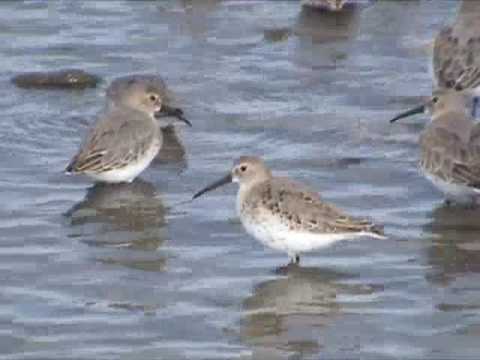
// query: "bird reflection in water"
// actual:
[[122, 216], [322, 27], [287, 315], [455, 248], [172, 151]]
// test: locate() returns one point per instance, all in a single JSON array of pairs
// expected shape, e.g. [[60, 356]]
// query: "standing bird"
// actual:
[[450, 146], [456, 53], [286, 215], [126, 136]]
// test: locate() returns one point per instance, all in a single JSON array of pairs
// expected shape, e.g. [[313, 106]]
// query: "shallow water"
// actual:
[[135, 273]]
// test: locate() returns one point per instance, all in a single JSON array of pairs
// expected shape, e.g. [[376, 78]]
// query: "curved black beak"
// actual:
[[225, 180], [174, 112], [416, 110]]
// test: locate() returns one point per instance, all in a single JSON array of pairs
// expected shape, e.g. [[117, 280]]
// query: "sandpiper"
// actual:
[[126, 136], [325, 5], [456, 53], [450, 146], [286, 215]]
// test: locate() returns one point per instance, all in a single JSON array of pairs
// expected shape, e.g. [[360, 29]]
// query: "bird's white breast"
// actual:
[[129, 172], [457, 192]]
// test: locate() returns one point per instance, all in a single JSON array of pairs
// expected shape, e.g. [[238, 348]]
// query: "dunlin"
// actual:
[[456, 53], [450, 146], [326, 5], [286, 215], [126, 137]]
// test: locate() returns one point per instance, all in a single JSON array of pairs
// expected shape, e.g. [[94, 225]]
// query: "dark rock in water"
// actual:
[[61, 79]]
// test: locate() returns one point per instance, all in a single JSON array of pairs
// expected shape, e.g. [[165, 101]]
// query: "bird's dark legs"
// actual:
[[294, 260], [474, 108], [293, 263]]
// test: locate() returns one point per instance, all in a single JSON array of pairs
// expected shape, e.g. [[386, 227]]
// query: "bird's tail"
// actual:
[[376, 231], [70, 169]]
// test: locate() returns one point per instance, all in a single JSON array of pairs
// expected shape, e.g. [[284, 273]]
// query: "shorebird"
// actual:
[[286, 215], [126, 136], [325, 5], [450, 146], [456, 53]]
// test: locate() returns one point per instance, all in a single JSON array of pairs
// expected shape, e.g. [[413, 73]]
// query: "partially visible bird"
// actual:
[[450, 146]]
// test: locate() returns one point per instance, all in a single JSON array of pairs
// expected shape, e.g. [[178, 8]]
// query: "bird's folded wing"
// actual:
[[304, 208], [444, 49], [455, 64], [113, 144], [467, 170], [468, 79], [441, 151]]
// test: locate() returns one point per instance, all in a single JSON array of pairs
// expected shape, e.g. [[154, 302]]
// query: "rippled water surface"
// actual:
[[134, 272]]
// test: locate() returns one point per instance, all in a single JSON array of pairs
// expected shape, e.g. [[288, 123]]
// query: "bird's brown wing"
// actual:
[[467, 169], [115, 141], [456, 64], [303, 208]]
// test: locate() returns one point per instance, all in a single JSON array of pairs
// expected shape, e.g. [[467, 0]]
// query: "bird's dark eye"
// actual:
[[243, 168], [153, 97], [435, 100]]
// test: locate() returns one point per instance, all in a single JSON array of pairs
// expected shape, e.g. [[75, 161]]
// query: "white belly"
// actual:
[[277, 236], [456, 192], [129, 172]]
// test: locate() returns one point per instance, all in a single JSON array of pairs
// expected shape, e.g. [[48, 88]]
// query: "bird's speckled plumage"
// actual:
[[327, 5], [286, 215], [456, 53], [298, 208]]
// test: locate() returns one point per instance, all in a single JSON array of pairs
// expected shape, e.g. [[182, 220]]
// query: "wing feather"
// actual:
[[117, 139], [303, 208]]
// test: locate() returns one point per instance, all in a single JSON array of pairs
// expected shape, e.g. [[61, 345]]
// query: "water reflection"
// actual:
[[122, 216], [172, 150], [455, 248], [321, 27], [289, 313], [200, 5]]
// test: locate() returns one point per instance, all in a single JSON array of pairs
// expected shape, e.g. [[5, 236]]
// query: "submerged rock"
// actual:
[[61, 79]]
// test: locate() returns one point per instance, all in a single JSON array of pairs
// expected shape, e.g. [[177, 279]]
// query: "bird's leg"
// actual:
[[297, 259], [294, 259], [474, 108]]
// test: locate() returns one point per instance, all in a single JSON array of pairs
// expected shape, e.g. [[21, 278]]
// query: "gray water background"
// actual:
[[133, 273]]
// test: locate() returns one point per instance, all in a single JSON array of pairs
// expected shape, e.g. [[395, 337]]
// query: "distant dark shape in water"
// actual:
[[327, 5], [277, 34], [60, 79]]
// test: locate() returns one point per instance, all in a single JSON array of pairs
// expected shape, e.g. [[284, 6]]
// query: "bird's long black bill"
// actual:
[[416, 110], [174, 112], [223, 181]]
